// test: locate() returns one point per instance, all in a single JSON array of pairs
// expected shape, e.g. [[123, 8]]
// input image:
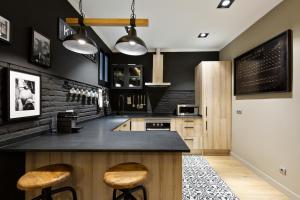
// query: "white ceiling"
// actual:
[[175, 24]]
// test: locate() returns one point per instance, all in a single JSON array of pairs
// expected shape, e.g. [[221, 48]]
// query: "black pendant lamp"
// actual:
[[80, 42], [131, 44]]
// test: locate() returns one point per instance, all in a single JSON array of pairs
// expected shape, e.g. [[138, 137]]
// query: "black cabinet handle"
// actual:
[[206, 125], [189, 121], [206, 111], [189, 127]]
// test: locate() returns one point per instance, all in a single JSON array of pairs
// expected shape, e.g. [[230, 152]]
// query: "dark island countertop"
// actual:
[[98, 135]]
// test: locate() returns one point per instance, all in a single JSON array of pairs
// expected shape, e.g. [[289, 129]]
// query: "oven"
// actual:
[[158, 124]]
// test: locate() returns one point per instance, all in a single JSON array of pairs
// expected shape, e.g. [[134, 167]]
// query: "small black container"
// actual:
[[67, 122]]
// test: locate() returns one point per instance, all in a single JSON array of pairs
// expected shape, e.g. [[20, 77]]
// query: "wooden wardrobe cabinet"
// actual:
[[213, 91]]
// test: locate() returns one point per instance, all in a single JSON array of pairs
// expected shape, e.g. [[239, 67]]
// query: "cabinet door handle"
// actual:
[[206, 125], [206, 111], [188, 120], [189, 127], [124, 125]]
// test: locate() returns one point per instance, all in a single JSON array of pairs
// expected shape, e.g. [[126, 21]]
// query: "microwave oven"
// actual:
[[187, 110]]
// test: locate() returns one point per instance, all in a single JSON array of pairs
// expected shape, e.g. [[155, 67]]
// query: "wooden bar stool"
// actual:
[[46, 177], [127, 178]]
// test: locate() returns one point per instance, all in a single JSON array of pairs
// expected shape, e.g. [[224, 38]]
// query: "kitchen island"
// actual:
[[97, 147]]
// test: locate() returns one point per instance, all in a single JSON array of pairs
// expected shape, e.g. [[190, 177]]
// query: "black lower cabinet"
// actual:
[[12, 167]]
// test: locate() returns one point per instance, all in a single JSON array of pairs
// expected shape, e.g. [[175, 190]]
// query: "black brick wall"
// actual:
[[43, 17], [55, 98], [179, 70], [166, 101]]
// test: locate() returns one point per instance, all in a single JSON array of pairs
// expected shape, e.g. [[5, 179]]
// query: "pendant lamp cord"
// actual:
[[80, 9], [133, 16]]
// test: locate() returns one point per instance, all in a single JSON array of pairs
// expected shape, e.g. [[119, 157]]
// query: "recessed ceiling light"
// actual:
[[203, 35], [225, 3]]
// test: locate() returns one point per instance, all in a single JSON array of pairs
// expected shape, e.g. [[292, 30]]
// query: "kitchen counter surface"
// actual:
[[150, 115], [97, 135]]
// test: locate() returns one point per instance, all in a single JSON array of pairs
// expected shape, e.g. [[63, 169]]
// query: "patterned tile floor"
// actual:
[[201, 181]]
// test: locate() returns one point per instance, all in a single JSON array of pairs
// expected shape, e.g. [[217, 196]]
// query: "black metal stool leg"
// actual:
[[63, 189], [144, 192], [127, 193], [47, 193], [131, 197], [140, 187], [38, 198], [114, 194]]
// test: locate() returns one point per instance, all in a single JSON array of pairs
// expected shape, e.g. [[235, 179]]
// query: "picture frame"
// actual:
[[23, 95], [266, 68], [5, 30], [64, 30], [40, 49]]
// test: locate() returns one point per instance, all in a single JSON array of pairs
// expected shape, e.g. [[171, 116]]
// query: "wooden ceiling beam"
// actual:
[[107, 22]]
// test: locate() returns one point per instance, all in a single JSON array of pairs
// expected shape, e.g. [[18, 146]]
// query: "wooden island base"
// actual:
[[163, 183]]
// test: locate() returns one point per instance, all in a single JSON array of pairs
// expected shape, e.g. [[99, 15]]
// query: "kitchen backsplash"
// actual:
[[55, 98], [155, 100], [167, 102]]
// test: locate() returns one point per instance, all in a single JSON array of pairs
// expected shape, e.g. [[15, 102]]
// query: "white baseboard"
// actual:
[[269, 179]]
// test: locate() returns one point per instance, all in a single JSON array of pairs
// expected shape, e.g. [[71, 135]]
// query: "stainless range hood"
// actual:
[[158, 71]]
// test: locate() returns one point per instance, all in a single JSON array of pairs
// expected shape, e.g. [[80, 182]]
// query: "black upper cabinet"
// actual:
[[127, 76]]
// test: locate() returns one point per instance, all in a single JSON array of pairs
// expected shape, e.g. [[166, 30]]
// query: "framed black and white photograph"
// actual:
[[5, 30], [24, 95], [41, 49]]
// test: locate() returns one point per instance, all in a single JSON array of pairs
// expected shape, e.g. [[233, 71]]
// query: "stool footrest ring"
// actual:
[[127, 193]]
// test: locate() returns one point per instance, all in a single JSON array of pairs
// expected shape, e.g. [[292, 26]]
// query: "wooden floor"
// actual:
[[243, 182]]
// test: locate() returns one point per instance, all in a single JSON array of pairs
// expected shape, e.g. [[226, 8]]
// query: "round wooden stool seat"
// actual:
[[125, 175], [44, 177]]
